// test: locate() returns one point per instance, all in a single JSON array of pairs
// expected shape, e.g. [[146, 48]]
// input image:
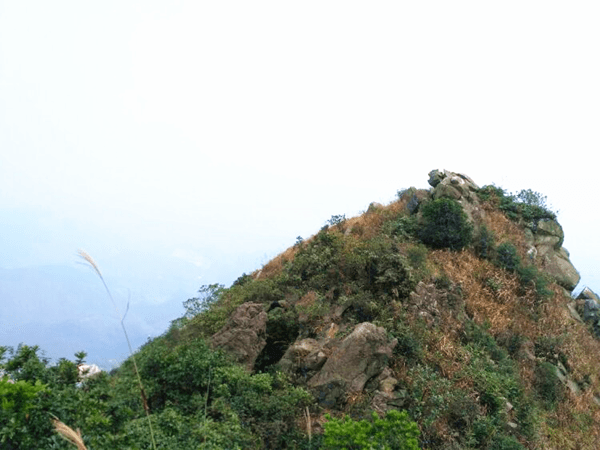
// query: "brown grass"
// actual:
[[276, 265], [509, 312], [366, 226]]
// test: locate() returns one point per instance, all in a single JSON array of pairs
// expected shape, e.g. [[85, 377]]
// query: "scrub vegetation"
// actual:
[[483, 374]]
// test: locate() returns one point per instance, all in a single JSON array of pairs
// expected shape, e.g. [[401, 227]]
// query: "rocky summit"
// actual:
[[483, 345]]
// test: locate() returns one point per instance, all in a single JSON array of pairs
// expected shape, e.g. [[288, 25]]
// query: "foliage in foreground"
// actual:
[[197, 398], [393, 432]]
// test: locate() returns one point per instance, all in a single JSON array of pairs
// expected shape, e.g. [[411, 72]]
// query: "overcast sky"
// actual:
[[188, 141]]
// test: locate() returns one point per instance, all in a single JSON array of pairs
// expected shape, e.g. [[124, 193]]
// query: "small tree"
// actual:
[[209, 294], [445, 225]]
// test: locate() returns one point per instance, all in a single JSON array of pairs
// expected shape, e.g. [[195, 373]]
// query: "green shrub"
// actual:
[[417, 255], [505, 442], [548, 385], [445, 225], [530, 276], [16, 401], [393, 432], [484, 244], [336, 220], [526, 205], [209, 294], [409, 347], [404, 227], [317, 265], [507, 257]]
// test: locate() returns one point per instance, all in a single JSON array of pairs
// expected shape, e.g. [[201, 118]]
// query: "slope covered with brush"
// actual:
[[443, 320]]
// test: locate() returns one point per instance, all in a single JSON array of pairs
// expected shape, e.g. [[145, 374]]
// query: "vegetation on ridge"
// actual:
[[479, 369]]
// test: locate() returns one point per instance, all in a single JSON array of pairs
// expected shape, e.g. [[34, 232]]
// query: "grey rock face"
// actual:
[[588, 293], [591, 309], [545, 241], [244, 335], [452, 185], [558, 265], [359, 357], [304, 357]]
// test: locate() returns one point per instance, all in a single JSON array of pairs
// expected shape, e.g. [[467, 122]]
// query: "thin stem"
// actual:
[[94, 266]]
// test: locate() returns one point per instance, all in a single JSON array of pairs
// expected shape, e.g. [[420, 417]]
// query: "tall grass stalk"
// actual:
[[94, 266]]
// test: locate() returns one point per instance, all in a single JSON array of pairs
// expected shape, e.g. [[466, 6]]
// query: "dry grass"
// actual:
[[365, 226], [368, 225], [482, 303], [72, 436], [276, 265], [576, 421]]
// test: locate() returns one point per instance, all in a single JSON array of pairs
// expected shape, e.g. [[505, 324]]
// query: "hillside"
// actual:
[[448, 313]]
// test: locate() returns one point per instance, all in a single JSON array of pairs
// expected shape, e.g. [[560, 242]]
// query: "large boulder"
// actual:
[[244, 335], [558, 265], [587, 304], [359, 357], [545, 240], [304, 358], [413, 198], [548, 234], [452, 185]]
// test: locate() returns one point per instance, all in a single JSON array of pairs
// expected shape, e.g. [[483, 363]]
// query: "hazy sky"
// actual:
[[189, 141]]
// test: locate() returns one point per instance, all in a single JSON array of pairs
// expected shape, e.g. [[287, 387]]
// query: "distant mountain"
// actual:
[[65, 309]]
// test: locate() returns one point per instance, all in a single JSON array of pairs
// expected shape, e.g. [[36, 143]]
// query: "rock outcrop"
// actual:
[[244, 335], [459, 187], [452, 185], [304, 358], [590, 309], [338, 369], [545, 239]]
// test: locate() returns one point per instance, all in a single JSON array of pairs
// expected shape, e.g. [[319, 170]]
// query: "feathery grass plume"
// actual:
[[94, 266], [72, 436], [308, 426]]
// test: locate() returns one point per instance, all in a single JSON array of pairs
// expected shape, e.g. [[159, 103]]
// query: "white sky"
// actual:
[[214, 133]]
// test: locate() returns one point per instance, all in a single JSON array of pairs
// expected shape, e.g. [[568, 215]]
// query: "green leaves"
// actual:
[[445, 225], [209, 294], [16, 401], [393, 432]]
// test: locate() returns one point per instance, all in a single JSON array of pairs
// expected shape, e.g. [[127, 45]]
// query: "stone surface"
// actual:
[[549, 233], [304, 358], [244, 335], [558, 265], [452, 185], [359, 357], [588, 293]]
